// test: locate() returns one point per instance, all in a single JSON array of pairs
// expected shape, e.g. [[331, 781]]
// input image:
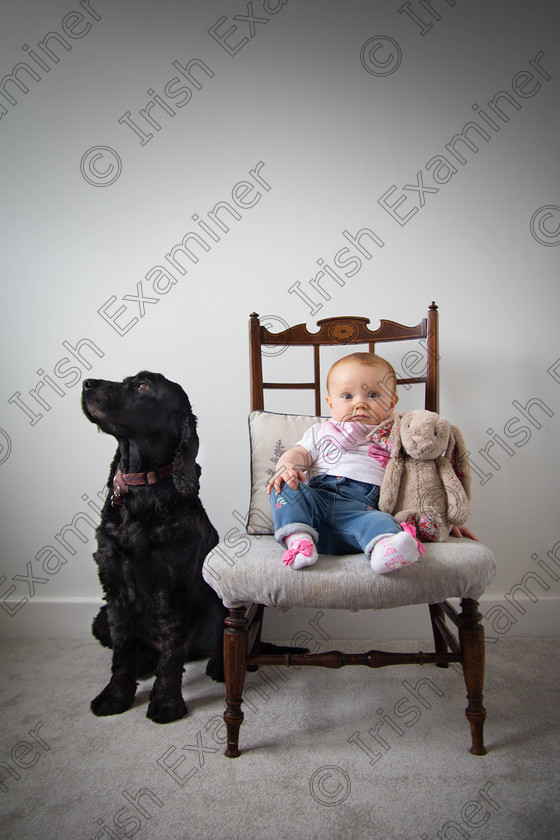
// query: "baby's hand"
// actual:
[[288, 475], [289, 469], [463, 531]]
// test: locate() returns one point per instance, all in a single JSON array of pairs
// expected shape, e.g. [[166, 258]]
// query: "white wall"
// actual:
[[331, 104]]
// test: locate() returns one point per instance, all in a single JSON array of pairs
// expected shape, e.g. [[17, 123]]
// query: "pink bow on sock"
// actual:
[[304, 547], [411, 529]]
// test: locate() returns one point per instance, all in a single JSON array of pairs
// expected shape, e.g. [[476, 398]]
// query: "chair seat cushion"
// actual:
[[460, 568]]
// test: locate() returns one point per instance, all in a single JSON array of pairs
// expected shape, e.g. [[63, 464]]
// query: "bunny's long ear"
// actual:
[[186, 471], [457, 454], [396, 435], [393, 472]]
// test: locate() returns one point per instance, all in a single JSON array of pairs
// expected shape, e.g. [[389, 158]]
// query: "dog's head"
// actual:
[[152, 415]]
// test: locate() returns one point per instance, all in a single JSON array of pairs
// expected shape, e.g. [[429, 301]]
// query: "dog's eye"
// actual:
[[143, 386]]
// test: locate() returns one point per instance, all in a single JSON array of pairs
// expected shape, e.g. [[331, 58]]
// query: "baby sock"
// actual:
[[301, 551], [395, 551]]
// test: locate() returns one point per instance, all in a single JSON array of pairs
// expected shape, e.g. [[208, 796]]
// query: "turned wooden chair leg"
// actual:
[[436, 611], [471, 638], [258, 621], [235, 664]]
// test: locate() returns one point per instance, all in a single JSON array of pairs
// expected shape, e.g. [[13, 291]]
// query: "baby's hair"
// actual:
[[389, 380]]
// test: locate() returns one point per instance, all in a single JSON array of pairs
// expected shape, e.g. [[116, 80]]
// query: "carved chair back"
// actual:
[[343, 331]]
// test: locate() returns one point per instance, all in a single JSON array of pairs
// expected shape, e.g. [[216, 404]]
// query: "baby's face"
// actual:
[[362, 393]]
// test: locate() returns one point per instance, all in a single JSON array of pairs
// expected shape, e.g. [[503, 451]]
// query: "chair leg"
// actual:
[[471, 638], [440, 643], [258, 621], [235, 665]]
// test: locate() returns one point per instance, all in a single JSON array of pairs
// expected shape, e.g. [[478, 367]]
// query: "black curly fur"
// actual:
[[160, 612]]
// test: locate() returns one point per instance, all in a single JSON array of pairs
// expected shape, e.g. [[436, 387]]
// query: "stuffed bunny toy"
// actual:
[[427, 479]]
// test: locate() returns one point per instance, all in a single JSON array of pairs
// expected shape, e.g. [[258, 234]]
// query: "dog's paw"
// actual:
[[165, 711], [112, 701], [215, 669]]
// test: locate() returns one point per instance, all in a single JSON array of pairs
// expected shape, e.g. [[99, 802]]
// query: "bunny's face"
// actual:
[[424, 434]]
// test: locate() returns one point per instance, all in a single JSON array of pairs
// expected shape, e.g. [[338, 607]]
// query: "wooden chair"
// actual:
[[246, 583]]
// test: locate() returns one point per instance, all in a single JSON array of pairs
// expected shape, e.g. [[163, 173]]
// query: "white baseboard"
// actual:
[[71, 619], [500, 619], [67, 619]]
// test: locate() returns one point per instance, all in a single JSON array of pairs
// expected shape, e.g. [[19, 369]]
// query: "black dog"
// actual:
[[152, 541]]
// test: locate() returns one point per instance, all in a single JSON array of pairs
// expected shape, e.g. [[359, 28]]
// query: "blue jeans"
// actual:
[[340, 514]]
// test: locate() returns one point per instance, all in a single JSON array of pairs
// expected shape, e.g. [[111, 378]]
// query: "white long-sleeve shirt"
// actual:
[[345, 449]]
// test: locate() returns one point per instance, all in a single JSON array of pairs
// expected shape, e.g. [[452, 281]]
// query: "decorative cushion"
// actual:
[[459, 568], [270, 435]]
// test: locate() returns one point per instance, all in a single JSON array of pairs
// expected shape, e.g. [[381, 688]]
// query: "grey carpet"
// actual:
[[326, 754]]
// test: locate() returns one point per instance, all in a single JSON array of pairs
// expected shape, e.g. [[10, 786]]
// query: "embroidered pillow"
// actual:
[[270, 436]]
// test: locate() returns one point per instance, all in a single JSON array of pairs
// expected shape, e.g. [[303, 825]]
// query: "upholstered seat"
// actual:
[[460, 568], [250, 577]]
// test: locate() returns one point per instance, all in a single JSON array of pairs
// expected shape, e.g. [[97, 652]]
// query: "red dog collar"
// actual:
[[122, 481]]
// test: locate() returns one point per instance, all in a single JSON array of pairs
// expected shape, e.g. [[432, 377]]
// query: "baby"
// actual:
[[325, 490]]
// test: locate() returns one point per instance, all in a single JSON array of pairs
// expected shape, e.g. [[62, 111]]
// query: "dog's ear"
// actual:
[[186, 471]]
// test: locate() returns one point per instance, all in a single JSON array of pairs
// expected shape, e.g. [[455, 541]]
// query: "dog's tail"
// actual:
[[100, 628], [269, 647]]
